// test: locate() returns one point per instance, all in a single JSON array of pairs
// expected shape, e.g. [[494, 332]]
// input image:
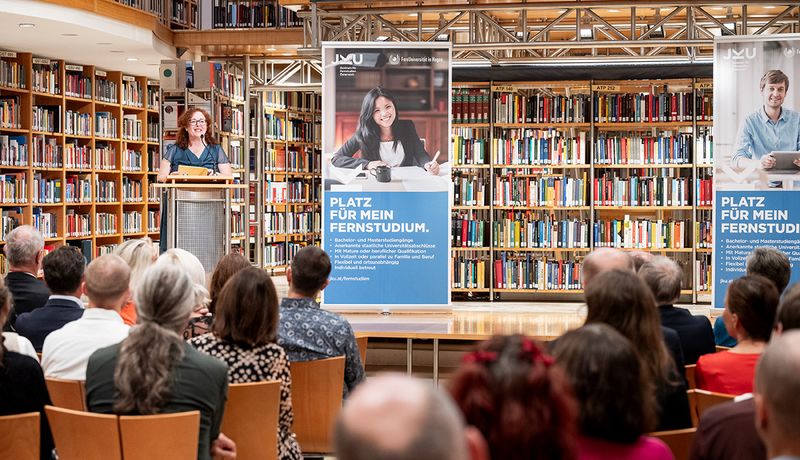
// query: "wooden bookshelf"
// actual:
[[65, 155], [574, 165]]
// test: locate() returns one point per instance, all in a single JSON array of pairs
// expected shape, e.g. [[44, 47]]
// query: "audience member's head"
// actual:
[[394, 417], [772, 264], [639, 258], [63, 270], [663, 276], [309, 271], [143, 377], [616, 395], [247, 309], [5, 309], [750, 306], [226, 267], [788, 316], [510, 391], [23, 249], [622, 300], [107, 282], [139, 254], [190, 265], [602, 260], [777, 385]]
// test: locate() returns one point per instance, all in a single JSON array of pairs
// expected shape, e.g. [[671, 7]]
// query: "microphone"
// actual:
[[203, 140]]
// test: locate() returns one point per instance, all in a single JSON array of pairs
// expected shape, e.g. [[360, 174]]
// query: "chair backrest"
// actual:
[[67, 394], [316, 400], [81, 435], [721, 348], [251, 419], [691, 382], [678, 441], [19, 436], [705, 400], [171, 435], [362, 341]]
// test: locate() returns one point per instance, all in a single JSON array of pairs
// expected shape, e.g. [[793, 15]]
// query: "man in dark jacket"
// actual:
[[24, 251]]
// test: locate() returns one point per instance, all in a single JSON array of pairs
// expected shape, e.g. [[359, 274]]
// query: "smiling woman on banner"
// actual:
[[195, 146], [383, 139]]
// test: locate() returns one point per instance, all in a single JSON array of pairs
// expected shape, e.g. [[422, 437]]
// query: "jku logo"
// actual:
[[351, 59], [740, 58]]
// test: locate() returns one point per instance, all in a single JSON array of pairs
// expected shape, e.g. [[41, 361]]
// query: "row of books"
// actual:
[[540, 108], [470, 272], [105, 191], [78, 188], [132, 92], [153, 99], [291, 223], [643, 107], [704, 234], [106, 90], [703, 191], [8, 221], [46, 152], [105, 125], [613, 190], [663, 149], [46, 118], [131, 222], [46, 190], [153, 220], [469, 232], [527, 271], [539, 147], [298, 101], [532, 230], [512, 190], [46, 76], [76, 84], [131, 160], [470, 105], [13, 150], [278, 192], [470, 190], [153, 158], [291, 160], [131, 128], [77, 123], [106, 223], [274, 127], [132, 191], [235, 154], [303, 131], [152, 130], [237, 226], [239, 14], [12, 74], [77, 225], [281, 254], [642, 234], [153, 193], [105, 157], [470, 146], [10, 112], [45, 222], [14, 188]]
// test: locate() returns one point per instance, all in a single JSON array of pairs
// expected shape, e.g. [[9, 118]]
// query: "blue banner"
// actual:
[[387, 248], [746, 220]]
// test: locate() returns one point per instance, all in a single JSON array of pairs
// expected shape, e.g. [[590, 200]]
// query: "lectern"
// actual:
[[198, 210]]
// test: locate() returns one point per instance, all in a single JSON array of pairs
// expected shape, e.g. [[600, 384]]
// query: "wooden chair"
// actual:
[[691, 383], [19, 436], [83, 435], [251, 419], [67, 394], [362, 341], [721, 348], [678, 441], [171, 435], [316, 400]]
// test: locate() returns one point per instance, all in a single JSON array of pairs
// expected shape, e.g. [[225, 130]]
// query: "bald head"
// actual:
[[107, 282], [602, 260], [395, 417], [777, 385]]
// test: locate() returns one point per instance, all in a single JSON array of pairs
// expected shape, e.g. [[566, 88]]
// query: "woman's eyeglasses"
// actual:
[[197, 122]]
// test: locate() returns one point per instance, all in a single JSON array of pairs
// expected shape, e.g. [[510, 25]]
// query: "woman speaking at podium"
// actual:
[[383, 139], [196, 146]]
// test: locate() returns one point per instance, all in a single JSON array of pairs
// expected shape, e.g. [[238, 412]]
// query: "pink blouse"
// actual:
[[646, 448]]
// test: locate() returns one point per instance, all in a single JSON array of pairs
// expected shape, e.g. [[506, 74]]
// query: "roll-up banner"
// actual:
[[756, 152], [386, 175]]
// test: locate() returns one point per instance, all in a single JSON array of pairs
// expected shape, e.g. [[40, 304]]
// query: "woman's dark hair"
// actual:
[[368, 134], [622, 300], [183, 125], [247, 309], [754, 300], [616, 396], [522, 404], [226, 267], [5, 308]]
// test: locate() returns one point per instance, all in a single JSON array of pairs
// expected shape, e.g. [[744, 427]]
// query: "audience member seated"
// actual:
[[139, 254], [227, 266], [306, 331], [770, 263], [399, 418], [615, 394], [243, 336], [605, 259], [200, 321], [510, 391], [153, 370], [66, 351], [22, 383], [622, 300], [639, 258], [663, 275], [750, 305], [777, 384], [63, 273], [24, 250]]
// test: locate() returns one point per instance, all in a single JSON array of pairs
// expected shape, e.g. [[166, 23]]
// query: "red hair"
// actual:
[[183, 126], [522, 404]]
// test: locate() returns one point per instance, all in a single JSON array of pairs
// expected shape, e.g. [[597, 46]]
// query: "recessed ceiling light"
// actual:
[[287, 54], [412, 14], [132, 59], [271, 48], [26, 25], [69, 35], [769, 7], [104, 43], [613, 11], [116, 51]]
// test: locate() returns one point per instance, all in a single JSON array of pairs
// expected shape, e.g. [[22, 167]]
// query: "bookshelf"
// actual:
[[72, 149], [257, 14], [544, 172], [290, 137]]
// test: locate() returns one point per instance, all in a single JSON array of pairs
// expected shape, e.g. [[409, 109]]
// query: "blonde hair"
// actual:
[[190, 265], [139, 254]]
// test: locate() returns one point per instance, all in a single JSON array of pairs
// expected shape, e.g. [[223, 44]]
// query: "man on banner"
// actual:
[[771, 128]]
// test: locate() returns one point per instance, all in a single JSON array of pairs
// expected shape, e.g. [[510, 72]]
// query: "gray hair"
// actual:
[[143, 376], [23, 244], [189, 264], [439, 435], [139, 254], [663, 276], [777, 382], [771, 264]]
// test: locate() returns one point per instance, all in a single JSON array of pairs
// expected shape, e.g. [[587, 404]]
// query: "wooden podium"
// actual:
[[198, 210]]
